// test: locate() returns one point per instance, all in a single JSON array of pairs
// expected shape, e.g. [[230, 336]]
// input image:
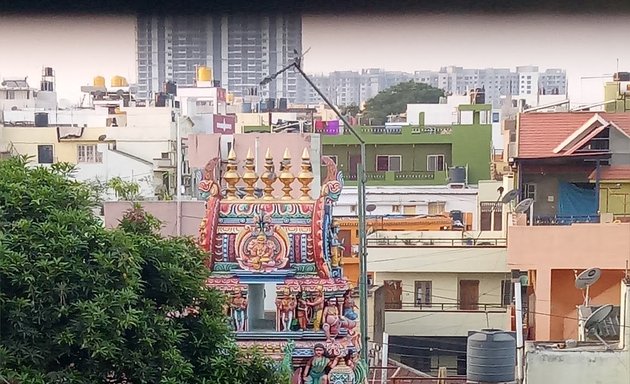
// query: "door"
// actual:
[[393, 293], [469, 295], [354, 161], [345, 238]]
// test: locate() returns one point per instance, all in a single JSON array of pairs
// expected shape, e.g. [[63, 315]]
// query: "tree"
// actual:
[[394, 100], [83, 304], [350, 110]]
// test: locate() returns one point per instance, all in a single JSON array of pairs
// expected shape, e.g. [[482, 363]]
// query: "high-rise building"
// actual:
[[241, 50]]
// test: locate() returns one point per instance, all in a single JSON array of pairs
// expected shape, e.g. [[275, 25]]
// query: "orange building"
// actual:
[[349, 234]]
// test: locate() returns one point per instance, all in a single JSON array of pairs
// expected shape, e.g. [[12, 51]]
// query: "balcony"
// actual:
[[565, 220], [403, 134], [443, 319], [437, 242], [401, 177]]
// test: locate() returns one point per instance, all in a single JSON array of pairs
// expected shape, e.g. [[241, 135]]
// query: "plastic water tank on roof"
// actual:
[[457, 175], [98, 81], [491, 356], [204, 74], [119, 81]]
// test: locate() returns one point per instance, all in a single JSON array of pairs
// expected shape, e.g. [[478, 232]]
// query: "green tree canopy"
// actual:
[[83, 304], [394, 100]]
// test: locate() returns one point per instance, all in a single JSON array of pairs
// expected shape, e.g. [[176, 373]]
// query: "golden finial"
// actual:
[[249, 176], [268, 177], [231, 176], [286, 177], [305, 177]]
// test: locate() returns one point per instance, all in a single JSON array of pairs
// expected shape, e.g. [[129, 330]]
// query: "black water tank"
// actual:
[[41, 119], [491, 356], [48, 71], [284, 105], [457, 175], [170, 88], [271, 104], [621, 76]]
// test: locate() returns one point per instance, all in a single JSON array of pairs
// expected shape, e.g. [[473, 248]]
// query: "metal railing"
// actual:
[[398, 375], [435, 242], [414, 175], [565, 220], [444, 307]]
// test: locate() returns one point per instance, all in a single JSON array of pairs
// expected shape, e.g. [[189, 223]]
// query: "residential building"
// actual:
[[435, 286], [556, 155], [240, 49], [589, 361], [401, 154]]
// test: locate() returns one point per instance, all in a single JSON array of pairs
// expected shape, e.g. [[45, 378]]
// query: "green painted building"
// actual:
[[417, 155]]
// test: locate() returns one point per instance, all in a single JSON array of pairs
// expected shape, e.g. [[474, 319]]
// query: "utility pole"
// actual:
[[361, 184]]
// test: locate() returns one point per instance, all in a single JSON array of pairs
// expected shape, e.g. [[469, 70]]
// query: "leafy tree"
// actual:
[[394, 100], [124, 190], [83, 304], [350, 110]]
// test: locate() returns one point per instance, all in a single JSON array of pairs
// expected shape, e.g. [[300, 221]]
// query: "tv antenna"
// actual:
[[585, 279], [593, 321]]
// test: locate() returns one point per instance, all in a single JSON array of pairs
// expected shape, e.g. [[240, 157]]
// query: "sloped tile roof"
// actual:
[[540, 133], [613, 172]]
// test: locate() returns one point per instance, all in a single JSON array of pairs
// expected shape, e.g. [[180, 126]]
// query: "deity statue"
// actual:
[[261, 253], [317, 306], [302, 311], [317, 368], [286, 308], [239, 311], [358, 367], [332, 321], [349, 306], [336, 247]]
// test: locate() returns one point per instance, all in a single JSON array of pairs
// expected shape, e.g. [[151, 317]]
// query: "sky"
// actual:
[[586, 46]]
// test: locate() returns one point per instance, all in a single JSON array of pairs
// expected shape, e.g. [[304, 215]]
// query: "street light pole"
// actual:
[[361, 182]]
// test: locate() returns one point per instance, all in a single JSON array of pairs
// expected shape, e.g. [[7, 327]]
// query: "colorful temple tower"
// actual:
[[277, 257]]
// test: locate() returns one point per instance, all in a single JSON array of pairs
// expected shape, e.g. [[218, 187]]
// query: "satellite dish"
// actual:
[[599, 315], [587, 278], [523, 206], [370, 208], [509, 196]]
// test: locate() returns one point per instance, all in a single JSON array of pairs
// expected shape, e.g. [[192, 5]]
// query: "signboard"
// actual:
[[223, 124]]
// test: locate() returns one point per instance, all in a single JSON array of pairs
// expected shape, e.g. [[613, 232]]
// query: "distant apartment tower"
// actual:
[[496, 82], [241, 50]]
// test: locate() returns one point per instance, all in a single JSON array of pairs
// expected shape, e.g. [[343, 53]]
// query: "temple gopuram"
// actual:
[[278, 259]]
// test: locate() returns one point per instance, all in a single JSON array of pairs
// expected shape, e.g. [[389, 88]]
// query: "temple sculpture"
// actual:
[[276, 256]]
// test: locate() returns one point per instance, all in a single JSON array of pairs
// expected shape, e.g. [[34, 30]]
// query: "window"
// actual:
[[435, 163], [495, 117], [506, 292], [89, 154], [437, 207], [409, 209], [529, 191], [423, 293], [45, 154], [490, 211], [396, 208], [353, 208], [388, 163], [333, 158]]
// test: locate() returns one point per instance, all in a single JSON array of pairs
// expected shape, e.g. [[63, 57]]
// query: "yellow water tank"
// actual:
[[204, 74], [98, 81], [119, 81], [230, 98]]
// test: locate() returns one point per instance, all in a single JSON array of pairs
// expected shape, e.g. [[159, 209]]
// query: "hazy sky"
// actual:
[[80, 48]]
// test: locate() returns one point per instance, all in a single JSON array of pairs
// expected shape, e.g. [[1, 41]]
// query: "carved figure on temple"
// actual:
[[332, 321], [336, 247], [286, 308], [317, 309], [301, 311], [262, 247], [239, 311], [349, 306], [359, 369], [316, 369]]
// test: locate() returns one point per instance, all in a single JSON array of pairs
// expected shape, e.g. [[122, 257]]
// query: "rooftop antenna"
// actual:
[[593, 321], [585, 279]]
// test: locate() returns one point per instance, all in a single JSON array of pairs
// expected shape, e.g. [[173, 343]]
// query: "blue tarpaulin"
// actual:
[[576, 201]]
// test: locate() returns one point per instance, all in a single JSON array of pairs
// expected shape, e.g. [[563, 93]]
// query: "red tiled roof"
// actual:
[[540, 133], [613, 172]]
